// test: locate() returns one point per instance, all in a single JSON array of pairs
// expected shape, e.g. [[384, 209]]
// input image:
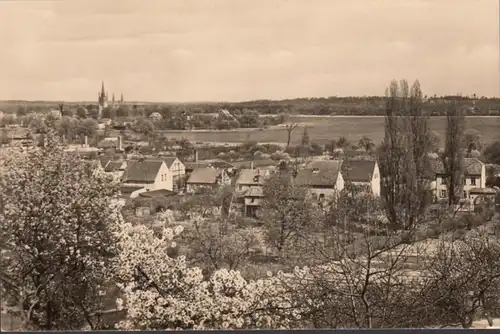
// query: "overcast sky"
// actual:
[[232, 50]]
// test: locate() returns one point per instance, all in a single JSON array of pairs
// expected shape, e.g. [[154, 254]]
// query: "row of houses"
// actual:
[[323, 178]]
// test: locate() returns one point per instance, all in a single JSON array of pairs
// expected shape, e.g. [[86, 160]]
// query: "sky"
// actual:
[[237, 50]]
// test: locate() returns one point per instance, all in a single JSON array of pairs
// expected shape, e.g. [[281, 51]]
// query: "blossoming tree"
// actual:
[[57, 236], [161, 292]]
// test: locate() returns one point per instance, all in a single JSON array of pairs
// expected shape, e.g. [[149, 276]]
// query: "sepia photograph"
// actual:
[[213, 165]]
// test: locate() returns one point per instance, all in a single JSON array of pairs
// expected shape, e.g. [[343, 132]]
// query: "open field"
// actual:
[[322, 129]]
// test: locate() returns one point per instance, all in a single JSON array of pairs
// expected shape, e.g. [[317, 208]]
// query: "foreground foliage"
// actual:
[[57, 237]]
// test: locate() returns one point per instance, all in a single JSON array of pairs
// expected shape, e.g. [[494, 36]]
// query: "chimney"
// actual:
[[251, 164], [120, 143], [195, 155], [86, 142]]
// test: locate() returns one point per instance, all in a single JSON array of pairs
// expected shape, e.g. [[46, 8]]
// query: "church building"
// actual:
[[102, 100]]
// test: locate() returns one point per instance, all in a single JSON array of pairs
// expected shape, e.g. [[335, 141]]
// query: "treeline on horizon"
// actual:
[[366, 105]]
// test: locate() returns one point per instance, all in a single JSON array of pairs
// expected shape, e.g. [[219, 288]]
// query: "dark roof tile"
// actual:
[[142, 171], [358, 170], [203, 176]]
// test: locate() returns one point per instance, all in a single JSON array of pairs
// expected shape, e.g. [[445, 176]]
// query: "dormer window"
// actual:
[[315, 170]]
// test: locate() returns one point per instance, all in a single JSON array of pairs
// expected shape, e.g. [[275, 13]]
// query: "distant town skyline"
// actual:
[[235, 50]]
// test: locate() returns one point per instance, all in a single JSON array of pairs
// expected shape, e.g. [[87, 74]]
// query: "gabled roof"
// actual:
[[170, 161], [319, 173], [203, 176], [472, 166], [142, 171], [250, 177], [358, 170]]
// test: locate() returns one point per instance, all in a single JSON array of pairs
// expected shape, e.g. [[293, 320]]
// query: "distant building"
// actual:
[[177, 172], [323, 179], [362, 174], [202, 178], [475, 178], [249, 186], [102, 100], [147, 174], [110, 144]]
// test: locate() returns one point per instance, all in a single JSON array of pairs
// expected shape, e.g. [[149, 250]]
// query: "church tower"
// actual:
[[102, 99], [121, 99]]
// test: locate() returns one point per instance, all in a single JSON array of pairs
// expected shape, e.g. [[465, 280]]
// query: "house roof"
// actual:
[[142, 171], [203, 176], [250, 176], [308, 177], [319, 173], [112, 166], [169, 161], [358, 170], [158, 193], [472, 166], [325, 165]]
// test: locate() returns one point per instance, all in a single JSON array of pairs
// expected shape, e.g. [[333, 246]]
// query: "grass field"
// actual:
[[324, 129]]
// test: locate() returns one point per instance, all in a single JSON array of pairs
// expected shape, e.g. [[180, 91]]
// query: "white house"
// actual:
[[322, 178], [363, 174], [147, 174], [177, 170], [475, 177]]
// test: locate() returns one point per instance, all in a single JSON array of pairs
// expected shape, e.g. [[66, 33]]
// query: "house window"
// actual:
[[252, 200], [465, 181], [443, 180], [443, 193], [473, 181], [465, 194], [321, 196]]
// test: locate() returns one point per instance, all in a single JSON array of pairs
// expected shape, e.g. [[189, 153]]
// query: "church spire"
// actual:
[[102, 88], [113, 99], [121, 99]]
